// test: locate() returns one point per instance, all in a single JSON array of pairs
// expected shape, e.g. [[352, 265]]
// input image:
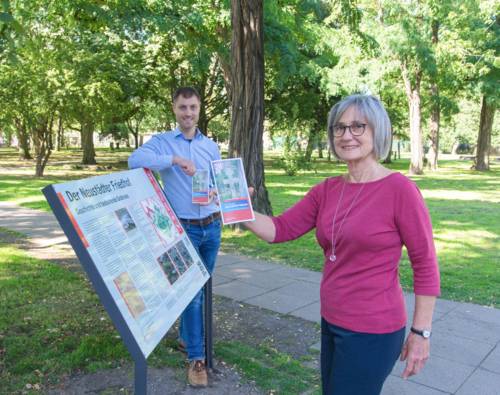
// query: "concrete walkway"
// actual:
[[465, 356]]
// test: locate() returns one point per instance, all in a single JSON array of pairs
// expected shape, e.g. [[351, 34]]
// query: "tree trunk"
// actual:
[[23, 139], [413, 96], [435, 110], [434, 129], [42, 136], [88, 143], [134, 130], [247, 81], [388, 158], [60, 134], [311, 141], [482, 160]]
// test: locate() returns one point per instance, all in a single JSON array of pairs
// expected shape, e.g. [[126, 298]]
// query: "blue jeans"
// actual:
[[206, 240], [357, 363]]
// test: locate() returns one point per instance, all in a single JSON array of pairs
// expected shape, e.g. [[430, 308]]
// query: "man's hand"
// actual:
[[186, 165], [211, 197]]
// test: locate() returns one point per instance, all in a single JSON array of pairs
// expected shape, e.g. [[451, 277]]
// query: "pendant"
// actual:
[[333, 258]]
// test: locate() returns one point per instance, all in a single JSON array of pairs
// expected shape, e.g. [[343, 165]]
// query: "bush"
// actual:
[[292, 163]]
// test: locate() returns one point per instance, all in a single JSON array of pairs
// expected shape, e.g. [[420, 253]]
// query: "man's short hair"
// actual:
[[187, 92], [376, 116]]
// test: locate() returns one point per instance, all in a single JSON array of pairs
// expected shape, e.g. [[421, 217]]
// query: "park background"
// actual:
[[84, 82]]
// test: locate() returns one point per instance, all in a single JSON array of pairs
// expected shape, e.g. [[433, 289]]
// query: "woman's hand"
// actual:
[[416, 351]]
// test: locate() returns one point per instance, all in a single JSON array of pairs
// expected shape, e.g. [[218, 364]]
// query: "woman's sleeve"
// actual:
[[415, 227], [300, 218]]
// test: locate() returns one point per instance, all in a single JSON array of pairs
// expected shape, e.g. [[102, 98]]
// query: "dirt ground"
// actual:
[[232, 321]]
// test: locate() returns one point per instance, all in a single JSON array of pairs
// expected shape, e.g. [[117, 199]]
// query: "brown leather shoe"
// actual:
[[197, 374]]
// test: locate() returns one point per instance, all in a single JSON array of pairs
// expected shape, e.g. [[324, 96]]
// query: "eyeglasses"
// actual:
[[356, 129]]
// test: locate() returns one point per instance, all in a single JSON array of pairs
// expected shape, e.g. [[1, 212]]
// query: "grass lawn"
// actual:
[[52, 325], [464, 206]]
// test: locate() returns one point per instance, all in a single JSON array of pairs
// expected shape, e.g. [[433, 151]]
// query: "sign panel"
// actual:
[[137, 245], [232, 189], [200, 187]]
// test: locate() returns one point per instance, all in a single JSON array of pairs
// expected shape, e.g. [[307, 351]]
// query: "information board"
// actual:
[[136, 245]]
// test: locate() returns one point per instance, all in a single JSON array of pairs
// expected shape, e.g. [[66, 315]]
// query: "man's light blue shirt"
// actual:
[[157, 154]]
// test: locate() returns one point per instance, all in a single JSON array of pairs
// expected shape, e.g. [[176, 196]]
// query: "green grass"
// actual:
[[464, 206], [52, 324], [274, 372]]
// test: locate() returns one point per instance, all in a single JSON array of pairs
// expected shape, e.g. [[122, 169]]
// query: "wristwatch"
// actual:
[[424, 333]]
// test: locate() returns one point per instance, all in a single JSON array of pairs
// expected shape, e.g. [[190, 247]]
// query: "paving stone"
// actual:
[[492, 362], [218, 279], [259, 264], [481, 313], [459, 349], [237, 290], [249, 267], [280, 302], [481, 382], [307, 291], [445, 306], [458, 324], [439, 373], [395, 385], [267, 280], [310, 312], [227, 259], [298, 274]]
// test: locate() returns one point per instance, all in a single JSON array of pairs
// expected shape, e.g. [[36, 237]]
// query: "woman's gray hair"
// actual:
[[372, 109]]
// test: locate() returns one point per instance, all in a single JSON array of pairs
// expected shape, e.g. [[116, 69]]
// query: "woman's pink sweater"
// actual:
[[361, 291]]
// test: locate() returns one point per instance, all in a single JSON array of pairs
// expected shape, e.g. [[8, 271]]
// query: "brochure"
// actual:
[[232, 189], [200, 187]]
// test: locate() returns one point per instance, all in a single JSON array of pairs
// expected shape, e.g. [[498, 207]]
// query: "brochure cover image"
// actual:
[[232, 189], [200, 187]]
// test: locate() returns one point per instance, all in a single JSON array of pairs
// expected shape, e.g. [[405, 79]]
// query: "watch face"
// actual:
[[426, 334]]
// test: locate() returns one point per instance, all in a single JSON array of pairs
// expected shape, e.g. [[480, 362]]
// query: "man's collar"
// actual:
[[178, 132]]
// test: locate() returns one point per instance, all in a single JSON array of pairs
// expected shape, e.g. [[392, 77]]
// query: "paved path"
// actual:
[[465, 342]]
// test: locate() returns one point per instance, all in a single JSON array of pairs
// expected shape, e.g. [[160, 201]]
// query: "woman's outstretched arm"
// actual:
[[263, 227]]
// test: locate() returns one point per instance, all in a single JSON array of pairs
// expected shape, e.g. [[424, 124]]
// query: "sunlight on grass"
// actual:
[[462, 195]]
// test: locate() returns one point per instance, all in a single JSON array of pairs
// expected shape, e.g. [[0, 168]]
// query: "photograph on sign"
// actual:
[[232, 190], [139, 248], [200, 187]]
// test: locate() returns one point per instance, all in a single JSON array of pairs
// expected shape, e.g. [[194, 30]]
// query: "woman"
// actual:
[[362, 220]]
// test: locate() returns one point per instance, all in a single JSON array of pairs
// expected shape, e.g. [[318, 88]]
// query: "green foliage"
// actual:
[[293, 162]]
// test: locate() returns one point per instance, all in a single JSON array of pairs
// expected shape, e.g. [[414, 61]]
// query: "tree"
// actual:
[[486, 75], [247, 86], [482, 160]]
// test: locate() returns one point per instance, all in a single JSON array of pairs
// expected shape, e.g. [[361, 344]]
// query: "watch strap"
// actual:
[[424, 333]]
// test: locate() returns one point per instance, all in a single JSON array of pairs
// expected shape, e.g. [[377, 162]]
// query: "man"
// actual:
[[176, 155]]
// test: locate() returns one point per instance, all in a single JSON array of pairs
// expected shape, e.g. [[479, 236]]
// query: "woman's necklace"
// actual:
[[335, 235]]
